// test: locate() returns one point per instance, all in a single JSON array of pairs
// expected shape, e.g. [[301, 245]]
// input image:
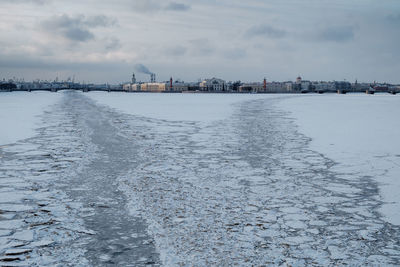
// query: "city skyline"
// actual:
[[200, 39]]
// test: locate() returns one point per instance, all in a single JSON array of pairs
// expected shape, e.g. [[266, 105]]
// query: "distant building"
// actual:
[[212, 84], [180, 86], [131, 87], [321, 87], [305, 86], [133, 78], [289, 86], [154, 87], [251, 88], [276, 87], [8, 86]]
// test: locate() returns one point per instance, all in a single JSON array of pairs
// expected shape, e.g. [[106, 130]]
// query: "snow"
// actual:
[[205, 179], [175, 107], [229, 179], [19, 113], [361, 132]]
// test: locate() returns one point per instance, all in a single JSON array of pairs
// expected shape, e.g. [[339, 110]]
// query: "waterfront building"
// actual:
[[276, 87], [154, 87], [289, 86], [213, 84], [321, 87], [131, 87], [305, 86], [180, 86], [302, 85], [251, 88]]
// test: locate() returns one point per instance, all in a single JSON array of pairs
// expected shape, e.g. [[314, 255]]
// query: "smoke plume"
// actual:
[[142, 69]]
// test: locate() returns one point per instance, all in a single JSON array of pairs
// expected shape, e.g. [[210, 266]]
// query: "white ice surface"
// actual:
[[361, 132], [174, 107], [19, 113]]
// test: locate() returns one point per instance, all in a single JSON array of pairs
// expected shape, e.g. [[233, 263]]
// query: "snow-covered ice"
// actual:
[[200, 179], [246, 188], [174, 107], [19, 113], [361, 132]]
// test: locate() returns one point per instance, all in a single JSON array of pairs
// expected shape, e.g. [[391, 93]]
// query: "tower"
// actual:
[[133, 78], [152, 77], [170, 84], [265, 84]]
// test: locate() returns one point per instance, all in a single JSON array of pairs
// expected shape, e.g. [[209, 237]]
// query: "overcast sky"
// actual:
[[102, 41]]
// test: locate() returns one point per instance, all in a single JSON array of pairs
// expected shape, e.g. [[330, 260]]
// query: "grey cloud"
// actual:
[[177, 6], [77, 34], [176, 50], [336, 34], [265, 31], [235, 53], [113, 44], [394, 18], [27, 61], [37, 2], [99, 21], [76, 28], [146, 5], [154, 6], [201, 47]]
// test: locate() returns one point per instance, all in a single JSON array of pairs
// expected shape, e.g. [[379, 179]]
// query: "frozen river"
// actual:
[[200, 179]]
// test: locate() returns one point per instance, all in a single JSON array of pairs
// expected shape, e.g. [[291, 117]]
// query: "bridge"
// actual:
[[83, 89]]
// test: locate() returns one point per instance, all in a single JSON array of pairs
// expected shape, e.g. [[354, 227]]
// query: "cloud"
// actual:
[[201, 47], [76, 28], [176, 51], [113, 44], [336, 34], [154, 6], [33, 62], [177, 6], [99, 21], [146, 5], [393, 18], [265, 31], [37, 2], [235, 53]]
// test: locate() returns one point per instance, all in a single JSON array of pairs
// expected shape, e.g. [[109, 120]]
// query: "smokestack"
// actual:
[[152, 77], [170, 84], [265, 84]]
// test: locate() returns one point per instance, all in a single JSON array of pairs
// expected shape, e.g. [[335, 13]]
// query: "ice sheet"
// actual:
[[361, 132], [174, 107], [19, 113]]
